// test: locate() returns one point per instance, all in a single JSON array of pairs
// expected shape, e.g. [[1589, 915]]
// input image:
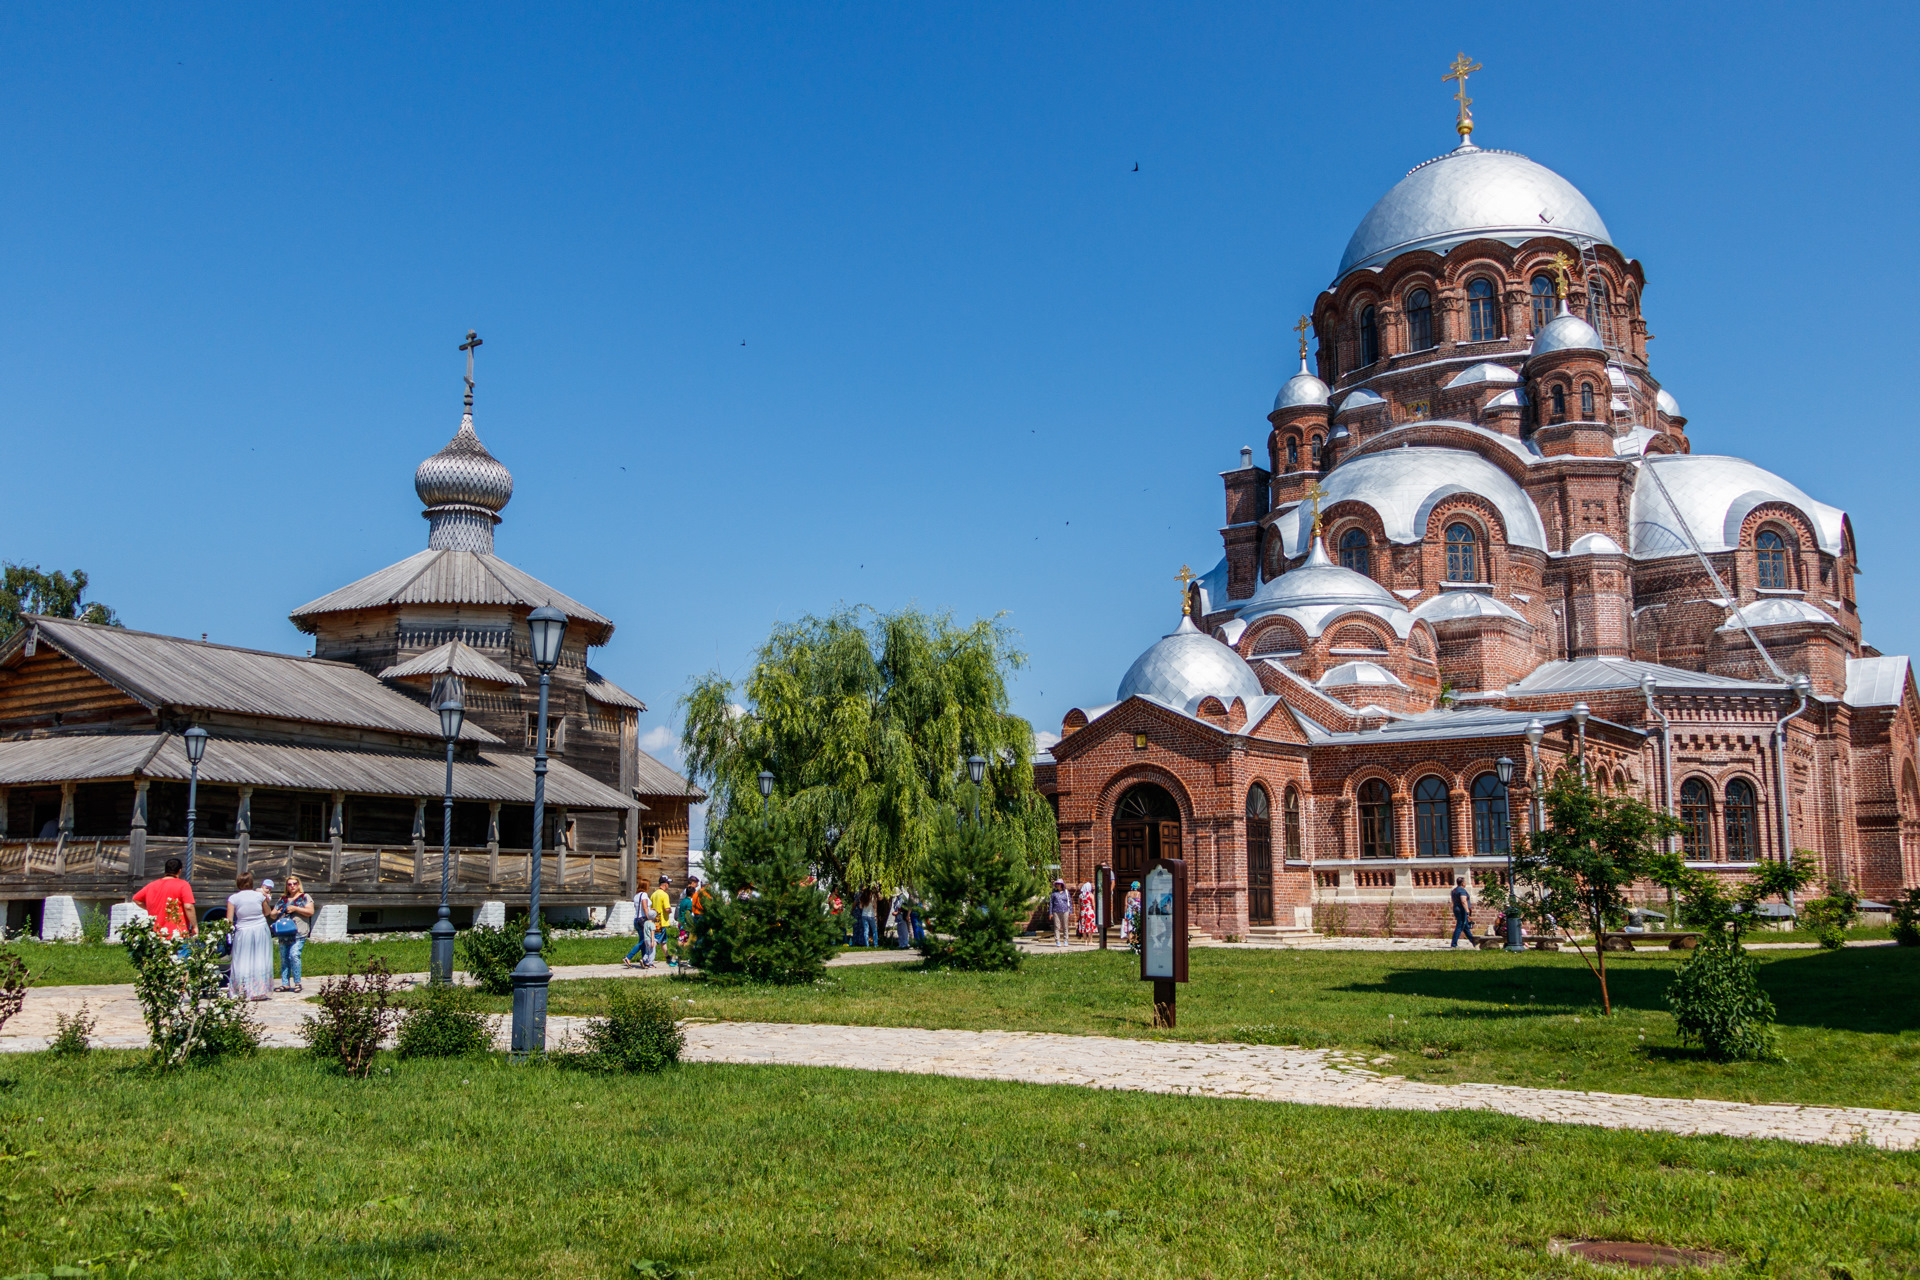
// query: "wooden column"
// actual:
[[242, 831], [137, 836], [493, 842], [66, 828], [560, 846], [4, 794], [336, 831], [627, 868], [419, 840]]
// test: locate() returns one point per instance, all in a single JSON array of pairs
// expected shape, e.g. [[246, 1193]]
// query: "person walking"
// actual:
[[867, 926], [644, 924], [1088, 925], [251, 976], [169, 902], [1462, 905], [1130, 918], [1059, 906], [292, 922], [663, 916], [902, 919]]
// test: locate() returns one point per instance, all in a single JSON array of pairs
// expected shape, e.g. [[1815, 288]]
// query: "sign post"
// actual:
[[1102, 899], [1163, 933]]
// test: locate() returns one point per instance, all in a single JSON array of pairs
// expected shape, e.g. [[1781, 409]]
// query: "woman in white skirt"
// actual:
[[252, 971]]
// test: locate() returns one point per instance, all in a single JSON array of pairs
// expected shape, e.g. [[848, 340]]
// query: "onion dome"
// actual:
[[1301, 390], [1319, 581], [464, 487], [1663, 400], [1566, 332], [1180, 669]]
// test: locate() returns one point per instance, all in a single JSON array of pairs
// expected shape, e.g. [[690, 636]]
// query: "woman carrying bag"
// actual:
[[292, 922]]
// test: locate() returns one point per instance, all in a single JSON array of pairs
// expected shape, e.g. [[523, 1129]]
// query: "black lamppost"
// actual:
[[976, 770], [546, 628], [453, 712], [1503, 770], [196, 740]]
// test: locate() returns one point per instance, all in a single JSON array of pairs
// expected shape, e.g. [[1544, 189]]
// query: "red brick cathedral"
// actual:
[[1480, 530]]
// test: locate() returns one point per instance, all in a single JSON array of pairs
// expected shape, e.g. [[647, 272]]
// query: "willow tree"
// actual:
[[866, 720]]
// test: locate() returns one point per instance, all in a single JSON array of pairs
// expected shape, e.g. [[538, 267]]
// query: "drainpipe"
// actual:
[[1647, 687], [1800, 686]]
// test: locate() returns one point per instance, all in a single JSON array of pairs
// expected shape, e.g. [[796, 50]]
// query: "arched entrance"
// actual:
[[1146, 825], [1259, 856]]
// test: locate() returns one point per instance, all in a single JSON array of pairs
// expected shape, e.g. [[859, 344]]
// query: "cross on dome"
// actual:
[[1186, 578], [1458, 72], [1301, 329], [463, 486]]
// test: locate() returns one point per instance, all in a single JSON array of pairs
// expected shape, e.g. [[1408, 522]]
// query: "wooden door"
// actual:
[[1260, 871], [1129, 860]]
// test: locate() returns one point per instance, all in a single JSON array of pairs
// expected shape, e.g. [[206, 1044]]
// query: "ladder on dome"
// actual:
[[1589, 264]]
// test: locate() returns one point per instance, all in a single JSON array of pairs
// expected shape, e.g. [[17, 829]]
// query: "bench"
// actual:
[[1538, 941], [1682, 941]]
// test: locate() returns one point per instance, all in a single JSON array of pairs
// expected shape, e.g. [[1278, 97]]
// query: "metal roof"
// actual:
[[451, 577], [1185, 666], [1876, 682], [603, 690], [167, 671], [1715, 494], [1584, 675], [1403, 486], [506, 776], [1775, 611], [656, 779], [453, 658]]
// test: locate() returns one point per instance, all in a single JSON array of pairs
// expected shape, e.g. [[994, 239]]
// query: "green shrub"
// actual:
[[72, 1036], [354, 1015], [13, 985], [773, 926], [1906, 919], [1830, 917], [447, 1023], [977, 887], [637, 1034], [181, 986], [93, 925], [1717, 1003], [491, 954]]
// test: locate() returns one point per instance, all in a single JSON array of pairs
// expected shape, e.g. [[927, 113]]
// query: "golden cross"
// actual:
[[1186, 577], [1561, 262], [1462, 68], [1314, 493], [1301, 329]]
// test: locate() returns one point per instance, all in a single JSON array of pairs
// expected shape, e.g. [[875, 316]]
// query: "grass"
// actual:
[[1849, 1020], [470, 1168]]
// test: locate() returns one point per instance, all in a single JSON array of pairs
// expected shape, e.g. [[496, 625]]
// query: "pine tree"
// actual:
[[976, 887], [770, 923]]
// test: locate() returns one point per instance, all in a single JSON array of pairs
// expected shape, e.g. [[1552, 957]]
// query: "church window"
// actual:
[[1696, 820], [1770, 549], [1559, 404], [1369, 336], [1353, 551], [1542, 302], [1376, 820], [1419, 320], [1586, 402], [1599, 313], [1317, 442], [1483, 317], [1432, 819], [1293, 452], [1490, 836], [1292, 824], [1743, 822], [1463, 561]]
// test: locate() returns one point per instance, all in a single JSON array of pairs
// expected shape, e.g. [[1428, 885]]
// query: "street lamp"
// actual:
[[1535, 732], [546, 628], [766, 784], [196, 740], [1580, 713], [453, 713], [1503, 770], [976, 770]]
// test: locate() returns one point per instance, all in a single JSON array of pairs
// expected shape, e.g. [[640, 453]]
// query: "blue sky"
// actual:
[[786, 307]]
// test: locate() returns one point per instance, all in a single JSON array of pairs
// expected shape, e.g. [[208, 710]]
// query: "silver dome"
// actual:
[[464, 474], [1716, 494], [1451, 605], [1186, 666], [1664, 401], [1301, 389], [1404, 485], [1595, 544], [1566, 332], [1318, 581], [1467, 194], [1353, 673]]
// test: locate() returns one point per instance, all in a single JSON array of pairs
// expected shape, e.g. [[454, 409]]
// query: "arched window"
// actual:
[[1770, 549], [1292, 821], [1559, 404], [1543, 299], [1317, 463], [1259, 855], [1483, 315], [1376, 820], [1463, 559], [1419, 320], [1293, 452], [1696, 820], [1369, 336], [1353, 551], [1432, 819], [1586, 402], [1743, 822], [1490, 835], [1599, 313]]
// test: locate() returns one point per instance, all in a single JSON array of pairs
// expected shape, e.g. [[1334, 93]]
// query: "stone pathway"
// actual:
[[1324, 1077]]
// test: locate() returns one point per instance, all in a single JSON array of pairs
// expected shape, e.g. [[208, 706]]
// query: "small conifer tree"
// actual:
[[770, 922], [976, 886]]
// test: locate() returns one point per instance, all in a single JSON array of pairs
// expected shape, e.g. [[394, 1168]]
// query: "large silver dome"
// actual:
[[1182, 668], [464, 474], [1465, 195]]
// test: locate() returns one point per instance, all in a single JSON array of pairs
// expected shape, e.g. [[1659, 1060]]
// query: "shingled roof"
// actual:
[[451, 577]]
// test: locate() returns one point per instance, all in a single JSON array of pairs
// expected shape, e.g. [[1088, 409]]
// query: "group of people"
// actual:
[[262, 924], [1065, 907], [662, 921], [869, 928]]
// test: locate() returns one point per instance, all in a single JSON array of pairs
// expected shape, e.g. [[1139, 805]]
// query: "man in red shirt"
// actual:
[[169, 900]]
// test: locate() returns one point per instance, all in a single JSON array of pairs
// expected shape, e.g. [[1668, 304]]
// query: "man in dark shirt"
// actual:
[[1462, 903]]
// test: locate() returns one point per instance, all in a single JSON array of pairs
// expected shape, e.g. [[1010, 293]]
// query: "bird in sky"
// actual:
[[1136, 166]]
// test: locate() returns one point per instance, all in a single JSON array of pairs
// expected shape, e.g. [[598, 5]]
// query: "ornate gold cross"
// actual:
[[1314, 493], [1186, 578], [1301, 329], [1559, 266], [1462, 68]]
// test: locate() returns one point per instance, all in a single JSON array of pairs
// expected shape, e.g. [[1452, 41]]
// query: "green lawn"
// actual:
[[1850, 1020], [272, 1167]]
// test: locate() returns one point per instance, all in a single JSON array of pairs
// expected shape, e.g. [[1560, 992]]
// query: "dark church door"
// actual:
[[1146, 825], [1259, 856]]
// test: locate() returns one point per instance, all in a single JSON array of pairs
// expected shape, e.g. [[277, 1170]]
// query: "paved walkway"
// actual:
[[1325, 1077]]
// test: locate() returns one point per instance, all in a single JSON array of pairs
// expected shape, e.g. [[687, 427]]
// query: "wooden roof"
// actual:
[[455, 658], [656, 779], [166, 671], [451, 577], [99, 757], [601, 689]]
